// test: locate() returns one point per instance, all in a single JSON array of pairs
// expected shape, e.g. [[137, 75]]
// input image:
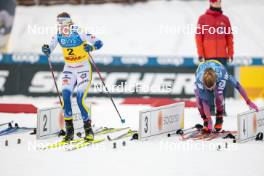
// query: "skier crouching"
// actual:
[[212, 76]]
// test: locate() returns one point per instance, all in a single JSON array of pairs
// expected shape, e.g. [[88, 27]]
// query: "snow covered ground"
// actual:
[[139, 29], [152, 28], [156, 156]]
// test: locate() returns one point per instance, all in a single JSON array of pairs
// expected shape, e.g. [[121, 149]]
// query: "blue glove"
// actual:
[[98, 44], [89, 48], [46, 50]]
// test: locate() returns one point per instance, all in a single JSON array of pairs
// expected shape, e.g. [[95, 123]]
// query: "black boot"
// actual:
[[69, 130], [207, 127], [218, 121], [205, 121], [218, 124], [89, 135]]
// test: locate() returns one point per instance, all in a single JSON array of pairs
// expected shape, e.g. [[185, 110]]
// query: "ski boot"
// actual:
[[218, 122], [207, 125], [69, 131], [206, 130], [89, 134]]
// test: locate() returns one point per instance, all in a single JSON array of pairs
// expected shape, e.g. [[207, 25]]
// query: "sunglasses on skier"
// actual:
[[63, 21]]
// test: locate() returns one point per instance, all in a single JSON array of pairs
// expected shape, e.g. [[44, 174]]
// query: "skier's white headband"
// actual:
[[61, 21]]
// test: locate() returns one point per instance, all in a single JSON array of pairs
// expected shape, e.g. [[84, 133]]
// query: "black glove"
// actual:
[[201, 59], [46, 50]]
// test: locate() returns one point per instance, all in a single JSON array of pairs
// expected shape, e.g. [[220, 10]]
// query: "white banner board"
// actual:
[[50, 120], [161, 120], [250, 124]]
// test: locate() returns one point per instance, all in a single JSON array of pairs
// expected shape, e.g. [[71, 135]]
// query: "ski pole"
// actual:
[[110, 96], [2, 124], [257, 137], [55, 83], [181, 132], [57, 90]]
